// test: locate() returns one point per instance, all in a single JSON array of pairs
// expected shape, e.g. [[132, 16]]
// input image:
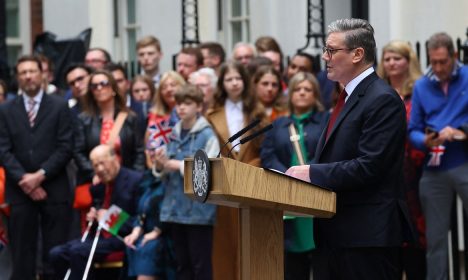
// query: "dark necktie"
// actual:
[[336, 111], [107, 196]]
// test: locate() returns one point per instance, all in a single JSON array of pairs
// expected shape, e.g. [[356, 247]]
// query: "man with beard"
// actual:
[[35, 147]]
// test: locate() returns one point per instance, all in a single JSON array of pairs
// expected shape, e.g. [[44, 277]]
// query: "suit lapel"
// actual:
[[349, 105], [353, 100], [43, 109], [20, 110]]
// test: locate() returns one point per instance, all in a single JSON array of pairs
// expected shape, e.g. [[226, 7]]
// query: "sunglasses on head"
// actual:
[[101, 84]]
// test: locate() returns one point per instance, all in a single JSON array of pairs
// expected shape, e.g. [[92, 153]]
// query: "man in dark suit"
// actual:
[[118, 186], [35, 147], [360, 157]]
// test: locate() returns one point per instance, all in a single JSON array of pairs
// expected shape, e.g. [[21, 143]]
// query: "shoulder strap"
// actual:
[[119, 121], [294, 137]]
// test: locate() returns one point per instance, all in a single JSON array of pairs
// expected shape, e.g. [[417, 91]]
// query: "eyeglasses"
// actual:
[[101, 84], [330, 52], [77, 80], [28, 71]]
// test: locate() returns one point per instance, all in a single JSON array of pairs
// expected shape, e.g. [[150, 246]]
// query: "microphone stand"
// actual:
[[230, 151], [239, 134]]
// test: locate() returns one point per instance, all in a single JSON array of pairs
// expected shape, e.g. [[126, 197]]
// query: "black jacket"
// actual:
[[26, 149], [87, 136]]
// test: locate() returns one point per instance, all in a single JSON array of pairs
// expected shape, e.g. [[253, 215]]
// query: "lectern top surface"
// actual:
[[283, 174]]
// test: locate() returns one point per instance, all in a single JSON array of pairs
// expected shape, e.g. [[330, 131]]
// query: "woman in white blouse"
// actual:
[[233, 108]]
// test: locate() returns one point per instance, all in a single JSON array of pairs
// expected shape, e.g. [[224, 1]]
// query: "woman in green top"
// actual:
[[292, 141]]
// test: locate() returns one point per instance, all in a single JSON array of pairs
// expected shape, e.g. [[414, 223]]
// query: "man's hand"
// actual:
[[31, 181], [452, 134], [101, 213], [38, 194], [96, 179], [91, 215], [300, 172], [433, 139]]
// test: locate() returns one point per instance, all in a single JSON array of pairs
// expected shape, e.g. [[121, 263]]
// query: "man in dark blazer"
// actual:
[[35, 147], [118, 186], [360, 157]]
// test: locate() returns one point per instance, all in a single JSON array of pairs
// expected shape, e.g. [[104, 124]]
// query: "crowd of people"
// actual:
[[388, 139]]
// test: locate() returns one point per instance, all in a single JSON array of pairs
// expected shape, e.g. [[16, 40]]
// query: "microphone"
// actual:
[[256, 134], [239, 134], [252, 136], [244, 130]]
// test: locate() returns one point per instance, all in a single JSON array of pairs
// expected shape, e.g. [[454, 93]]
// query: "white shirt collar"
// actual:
[[233, 105], [37, 98], [351, 86]]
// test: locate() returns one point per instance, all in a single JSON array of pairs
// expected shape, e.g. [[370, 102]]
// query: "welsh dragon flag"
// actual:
[[114, 219]]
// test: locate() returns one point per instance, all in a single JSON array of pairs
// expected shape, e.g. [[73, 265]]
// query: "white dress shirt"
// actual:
[[351, 86], [234, 118]]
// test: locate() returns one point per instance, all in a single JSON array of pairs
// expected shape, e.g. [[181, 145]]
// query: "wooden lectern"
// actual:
[[263, 197]]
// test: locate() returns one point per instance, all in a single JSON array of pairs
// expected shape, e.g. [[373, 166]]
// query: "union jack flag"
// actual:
[[158, 134], [436, 154]]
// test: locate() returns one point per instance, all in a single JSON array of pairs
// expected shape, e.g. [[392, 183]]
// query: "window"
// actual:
[[131, 28], [14, 45], [238, 21]]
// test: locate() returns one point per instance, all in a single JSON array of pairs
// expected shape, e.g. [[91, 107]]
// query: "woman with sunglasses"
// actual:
[[102, 104]]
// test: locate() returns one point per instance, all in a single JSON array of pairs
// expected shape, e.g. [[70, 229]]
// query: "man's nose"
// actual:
[[325, 56]]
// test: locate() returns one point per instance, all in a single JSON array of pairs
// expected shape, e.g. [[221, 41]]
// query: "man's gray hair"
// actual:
[[441, 40], [358, 33], [205, 71], [244, 44]]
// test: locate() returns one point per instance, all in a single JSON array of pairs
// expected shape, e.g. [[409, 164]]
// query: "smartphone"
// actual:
[[430, 130]]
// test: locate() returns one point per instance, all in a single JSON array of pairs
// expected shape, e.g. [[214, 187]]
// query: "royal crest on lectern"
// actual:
[[201, 176]]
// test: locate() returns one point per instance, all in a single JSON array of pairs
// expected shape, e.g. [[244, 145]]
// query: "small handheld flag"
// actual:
[[114, 219]]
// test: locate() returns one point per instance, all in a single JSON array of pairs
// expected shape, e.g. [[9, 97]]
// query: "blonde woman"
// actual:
[[162, 116]]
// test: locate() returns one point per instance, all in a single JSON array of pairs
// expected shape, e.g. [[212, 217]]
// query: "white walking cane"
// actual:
[[91, 254], [83, 238]]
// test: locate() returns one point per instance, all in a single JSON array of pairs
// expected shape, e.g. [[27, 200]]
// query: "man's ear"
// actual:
[[358, 55]]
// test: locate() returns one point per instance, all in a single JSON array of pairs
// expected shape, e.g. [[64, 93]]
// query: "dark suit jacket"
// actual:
[[362, 161], [87, 136], [124, 195], [47, 145]]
